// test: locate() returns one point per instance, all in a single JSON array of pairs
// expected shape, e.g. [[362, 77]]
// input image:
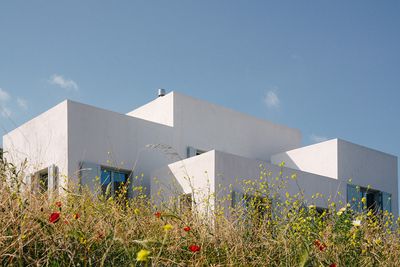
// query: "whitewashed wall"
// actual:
[[72, 133], [221, 173], [369, 167], [206, 126], [343, 160], [319, 158], [43, 141], [194, 176], [160, 110], [109, 139]]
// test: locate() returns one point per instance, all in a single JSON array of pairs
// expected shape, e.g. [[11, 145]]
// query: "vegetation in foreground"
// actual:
[[84, 229]]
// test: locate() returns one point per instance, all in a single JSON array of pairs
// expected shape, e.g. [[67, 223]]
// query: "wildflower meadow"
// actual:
[[84, 228]]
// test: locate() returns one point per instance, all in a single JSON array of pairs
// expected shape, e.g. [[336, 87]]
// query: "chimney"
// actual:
[[161, 92]]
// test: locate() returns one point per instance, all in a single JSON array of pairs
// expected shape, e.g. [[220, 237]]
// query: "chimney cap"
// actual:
[[161, 92]]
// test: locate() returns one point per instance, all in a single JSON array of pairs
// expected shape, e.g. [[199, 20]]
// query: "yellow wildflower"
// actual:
[[142, 255], [167, 227], [340, 212], [83, 241], [364, 200]]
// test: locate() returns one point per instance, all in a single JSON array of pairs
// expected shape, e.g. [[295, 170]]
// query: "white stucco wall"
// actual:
[[160, 110], [194, 176], [43, 141], [366, 166], [72, 133], [235, 169], [343, 160], [206, 126], [115, 140], [104, 138], [220, 173], [318, 158]]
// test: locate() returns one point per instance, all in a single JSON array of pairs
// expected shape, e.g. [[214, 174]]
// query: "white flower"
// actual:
[[357, 223]]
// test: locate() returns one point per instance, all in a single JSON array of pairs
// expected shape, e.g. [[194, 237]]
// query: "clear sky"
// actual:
[[328, 68]]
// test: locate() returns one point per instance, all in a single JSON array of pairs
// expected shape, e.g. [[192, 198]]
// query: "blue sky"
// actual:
[[328, 68]]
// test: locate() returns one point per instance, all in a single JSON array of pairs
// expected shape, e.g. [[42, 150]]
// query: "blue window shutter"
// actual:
[[387, 201], [354, 197]]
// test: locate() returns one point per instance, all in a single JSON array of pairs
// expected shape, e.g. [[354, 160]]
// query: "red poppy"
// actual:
[[319, 245], [333, 265], [54, 217], [76, 216], [58, 204], [186, 228], [157, 214], [194, 248]]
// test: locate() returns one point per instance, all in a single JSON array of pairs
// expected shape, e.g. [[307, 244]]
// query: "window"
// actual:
[[253, 206], [43, 181], [112, 180], [191, 152], [387, 201], [321, 210], [375, 200]]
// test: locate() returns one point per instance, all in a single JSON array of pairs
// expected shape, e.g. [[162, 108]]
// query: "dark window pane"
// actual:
[[105, 178], [43, 182], [119, 177]]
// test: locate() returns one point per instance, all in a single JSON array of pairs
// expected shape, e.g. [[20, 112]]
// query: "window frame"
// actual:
[[357, 192], [112, 181]]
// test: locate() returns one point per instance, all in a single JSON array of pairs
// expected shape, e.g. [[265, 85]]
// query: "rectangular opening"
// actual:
[[191, 151], [258, 207], [375, 200], [43, 181], [321, 210], [113, 181]]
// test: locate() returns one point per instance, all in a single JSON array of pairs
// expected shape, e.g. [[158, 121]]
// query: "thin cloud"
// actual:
[[64, 83], [5, 112], [317, 138], [4, 95], [22, 103], [271, 99]]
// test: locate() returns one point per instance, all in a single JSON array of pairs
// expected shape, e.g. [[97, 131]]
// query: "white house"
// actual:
[[182, 146]]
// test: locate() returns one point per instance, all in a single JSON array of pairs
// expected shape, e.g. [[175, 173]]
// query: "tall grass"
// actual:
[[84, 229]]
